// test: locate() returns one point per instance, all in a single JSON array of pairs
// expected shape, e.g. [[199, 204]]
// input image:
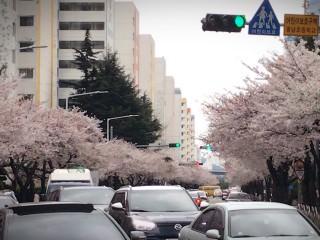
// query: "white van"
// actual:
[[69, 177]]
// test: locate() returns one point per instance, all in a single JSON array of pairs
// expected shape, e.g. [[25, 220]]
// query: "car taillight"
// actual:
[[198, 201]]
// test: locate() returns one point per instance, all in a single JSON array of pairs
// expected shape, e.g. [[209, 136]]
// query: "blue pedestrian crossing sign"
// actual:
[[264, 22]]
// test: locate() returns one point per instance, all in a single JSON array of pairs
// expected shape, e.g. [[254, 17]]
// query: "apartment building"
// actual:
[[188, 152], [7, 36], [38, 38], [127, 38], [75, 17], [146, 65]]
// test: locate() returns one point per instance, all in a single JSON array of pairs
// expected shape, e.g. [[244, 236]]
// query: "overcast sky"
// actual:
[[204, 63]]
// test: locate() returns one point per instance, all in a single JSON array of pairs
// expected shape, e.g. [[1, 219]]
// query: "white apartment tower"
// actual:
[[146, 65], [127, 38], [7, 37], [75, 17], [187, 131], [44, 33]]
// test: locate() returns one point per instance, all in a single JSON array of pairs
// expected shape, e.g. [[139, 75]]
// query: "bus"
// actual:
[[210, 189]]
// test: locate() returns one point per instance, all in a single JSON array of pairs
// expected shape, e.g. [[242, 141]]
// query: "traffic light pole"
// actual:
[[151, 146], [159, 146]]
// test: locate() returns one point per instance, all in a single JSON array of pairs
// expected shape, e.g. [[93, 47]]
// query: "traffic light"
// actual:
[[207, 147], [174, 145], [199, 163], [223, 23]]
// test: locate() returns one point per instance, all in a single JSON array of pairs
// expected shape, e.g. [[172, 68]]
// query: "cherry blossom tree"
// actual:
[[35, 140], [271, 122]]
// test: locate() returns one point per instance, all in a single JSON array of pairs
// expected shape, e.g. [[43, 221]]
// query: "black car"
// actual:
[[159, 211], [56, 220]]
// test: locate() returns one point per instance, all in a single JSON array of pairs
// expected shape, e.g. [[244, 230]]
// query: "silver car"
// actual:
[[250, 220], [99, 196]]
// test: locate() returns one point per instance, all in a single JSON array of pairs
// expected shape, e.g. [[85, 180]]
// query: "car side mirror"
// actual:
[[117, 206], [213, 234], [204, 204], [137, 235]]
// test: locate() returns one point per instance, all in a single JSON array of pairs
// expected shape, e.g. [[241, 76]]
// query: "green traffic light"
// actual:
[[208, 147], [240, 21], [174, 145]]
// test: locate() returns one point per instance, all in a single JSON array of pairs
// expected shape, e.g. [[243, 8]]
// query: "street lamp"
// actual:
[[32, 47], [82, 94], [108, 120]]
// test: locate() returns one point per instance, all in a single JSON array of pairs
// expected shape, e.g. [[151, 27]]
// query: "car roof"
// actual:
[[230, 206], [85, 187], [50, 207], [154, 187]]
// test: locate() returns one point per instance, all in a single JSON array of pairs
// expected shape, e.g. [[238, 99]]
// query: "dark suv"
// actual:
[[57, 220], [159, 211]]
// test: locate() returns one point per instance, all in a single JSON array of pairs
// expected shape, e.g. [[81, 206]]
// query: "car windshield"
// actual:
[[66, 226], [268, 222], [162, 201], [87, 195]]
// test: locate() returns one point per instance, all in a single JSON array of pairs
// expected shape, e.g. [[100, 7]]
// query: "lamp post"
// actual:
[[108, 120], [32, 47], [82, 94]]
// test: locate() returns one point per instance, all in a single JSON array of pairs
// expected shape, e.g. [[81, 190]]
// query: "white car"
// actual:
[[250, 220]]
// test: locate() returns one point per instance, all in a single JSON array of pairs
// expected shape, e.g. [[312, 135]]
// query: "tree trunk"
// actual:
[[280, 181]]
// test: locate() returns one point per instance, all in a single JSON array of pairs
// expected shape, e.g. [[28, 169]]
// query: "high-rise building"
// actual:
[[127, 37], [7, 37], [75, 17], [312, 7]]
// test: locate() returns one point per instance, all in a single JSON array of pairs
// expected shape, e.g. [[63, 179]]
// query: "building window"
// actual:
[[26, 21], [67, 64], [25, 46], [26, 72], [68, 83], [13, 56], [14, 29], [79, 44], [81, 25], [73, 6]]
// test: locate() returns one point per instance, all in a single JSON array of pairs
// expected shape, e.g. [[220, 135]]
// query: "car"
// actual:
[[217, 193], [69, 177], [198, 196], [57, 185], [99, 196], [250, 220], [59, 220], [237, 196], [209, 189], [7, 198], [159, 211]]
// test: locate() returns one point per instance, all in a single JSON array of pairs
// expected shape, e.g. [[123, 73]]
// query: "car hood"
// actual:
[[167, 216]]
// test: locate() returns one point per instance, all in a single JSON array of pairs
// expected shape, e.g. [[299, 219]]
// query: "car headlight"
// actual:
[[143, 225]]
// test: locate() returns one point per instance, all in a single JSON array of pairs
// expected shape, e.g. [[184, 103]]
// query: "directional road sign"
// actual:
[[301, 25], [264, 22]]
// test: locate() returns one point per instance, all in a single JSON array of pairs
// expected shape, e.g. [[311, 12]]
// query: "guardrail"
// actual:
[[311, 212]]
